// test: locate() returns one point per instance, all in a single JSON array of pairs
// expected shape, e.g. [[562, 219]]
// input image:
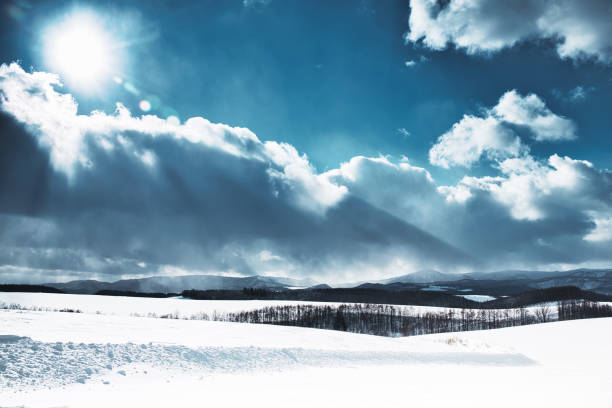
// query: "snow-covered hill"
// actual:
[[50, 359]]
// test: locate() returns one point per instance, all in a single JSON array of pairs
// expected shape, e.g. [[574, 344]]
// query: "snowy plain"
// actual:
[[478, 298], [139, 306], [50, 359]]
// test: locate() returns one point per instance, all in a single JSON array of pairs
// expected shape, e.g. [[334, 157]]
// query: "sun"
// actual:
[[80, 50]]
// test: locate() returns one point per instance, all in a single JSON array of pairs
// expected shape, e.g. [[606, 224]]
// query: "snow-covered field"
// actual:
[[51, 359], [127, 306], [478, 298], [135, 306]]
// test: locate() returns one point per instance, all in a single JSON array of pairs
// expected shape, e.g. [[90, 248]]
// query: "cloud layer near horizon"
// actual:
[[580, 29], [102, 195]]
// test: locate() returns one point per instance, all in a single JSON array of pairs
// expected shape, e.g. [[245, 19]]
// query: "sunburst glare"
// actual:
[[80, 49]]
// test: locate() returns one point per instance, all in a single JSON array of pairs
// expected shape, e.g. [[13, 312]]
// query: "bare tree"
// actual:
[[543, 313]]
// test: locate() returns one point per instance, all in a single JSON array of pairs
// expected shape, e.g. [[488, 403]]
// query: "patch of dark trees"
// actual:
[[490, 287], [70, 310], [28, 288], [342, 295], [225, 294], [532, 297], [387, 320], [572, 310], [405, 297], [130, 293]]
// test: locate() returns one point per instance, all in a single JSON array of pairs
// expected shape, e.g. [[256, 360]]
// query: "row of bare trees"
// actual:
[[387, 320], [572, 309]]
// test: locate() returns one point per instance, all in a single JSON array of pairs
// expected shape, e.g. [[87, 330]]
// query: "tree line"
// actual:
[[388, 320], [11, 287], [341, 295], [400, 297]]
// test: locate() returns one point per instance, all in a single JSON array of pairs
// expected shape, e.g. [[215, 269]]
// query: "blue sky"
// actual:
[[320, 75], [338, 80]]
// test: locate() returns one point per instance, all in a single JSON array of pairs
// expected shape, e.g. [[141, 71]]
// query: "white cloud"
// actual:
[[31, 99], [404, 132], [414, 62], [311, 191], [408, 192], [52, 116], [560, 201], [471, 138], [396, 187], [578, 94], [574, 95], [457, 194], [267, 256], [581, 29], [255, 3], [603, 229], [533, 190], [493, 135], [531, 112]]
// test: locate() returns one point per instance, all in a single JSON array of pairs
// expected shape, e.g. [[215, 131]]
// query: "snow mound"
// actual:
[[26, 364]]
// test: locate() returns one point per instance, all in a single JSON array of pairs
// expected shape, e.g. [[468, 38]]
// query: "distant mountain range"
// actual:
[[500, 283], [423, 276], [177, 284]]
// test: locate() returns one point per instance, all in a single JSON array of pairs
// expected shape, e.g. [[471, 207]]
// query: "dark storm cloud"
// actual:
[[100, 194], [535, 213]]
